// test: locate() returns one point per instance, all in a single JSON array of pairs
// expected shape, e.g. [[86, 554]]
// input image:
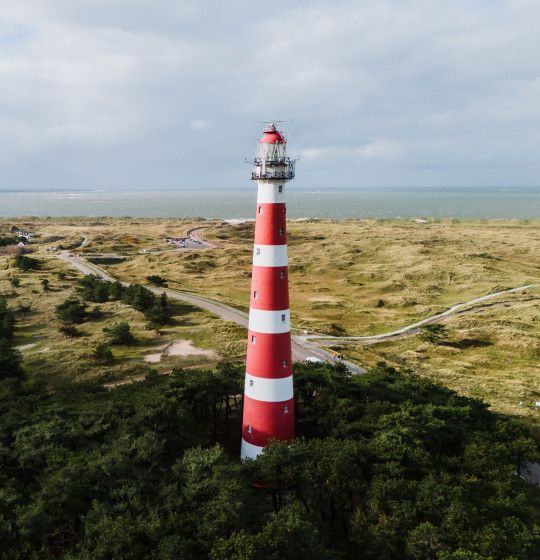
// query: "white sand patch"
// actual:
[[186, 348], [178, 348], [153, 358]]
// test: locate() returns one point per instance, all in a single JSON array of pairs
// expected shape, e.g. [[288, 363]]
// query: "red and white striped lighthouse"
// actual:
[[268, 392]]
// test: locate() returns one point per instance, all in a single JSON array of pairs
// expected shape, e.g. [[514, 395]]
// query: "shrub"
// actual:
[[15, 281], [159, 314], [139, 297], [157, 280], [70, 331], [4, 241], [93, 288], [435, 333], [71, 311], [102, 354], [25, 263], [7, 320], [10, 360], [119, 333]]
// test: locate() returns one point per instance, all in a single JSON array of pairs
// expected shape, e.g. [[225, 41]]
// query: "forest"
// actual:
[[385, 465]]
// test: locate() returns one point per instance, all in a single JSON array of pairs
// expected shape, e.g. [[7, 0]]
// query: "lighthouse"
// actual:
[[268, 390]]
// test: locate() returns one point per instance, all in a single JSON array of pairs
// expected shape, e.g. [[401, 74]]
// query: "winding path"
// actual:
[[413, 328], [302, 346]]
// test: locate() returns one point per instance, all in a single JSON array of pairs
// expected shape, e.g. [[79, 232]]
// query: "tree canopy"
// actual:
[[385, 465]]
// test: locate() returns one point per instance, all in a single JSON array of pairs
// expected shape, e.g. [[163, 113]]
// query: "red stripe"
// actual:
[[269, 288], [267, 420], [270, 225], [266, 354]]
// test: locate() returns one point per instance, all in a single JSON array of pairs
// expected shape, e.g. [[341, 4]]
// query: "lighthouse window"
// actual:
[[260, 209], [284, 363], [249, 429], [282, 274], [253, 339], [283, 317], [285, 410], [255, 294], [280, 231], [257, 251], [251, 382], [280, 188]]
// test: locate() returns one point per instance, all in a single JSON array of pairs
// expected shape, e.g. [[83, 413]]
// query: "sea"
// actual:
[[302, 202]]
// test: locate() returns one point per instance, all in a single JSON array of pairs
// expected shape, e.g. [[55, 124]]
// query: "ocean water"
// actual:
[[503, 202]]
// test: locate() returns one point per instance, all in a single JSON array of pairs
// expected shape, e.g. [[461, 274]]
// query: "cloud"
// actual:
[[201, 124], [381, 149], [99, 93]]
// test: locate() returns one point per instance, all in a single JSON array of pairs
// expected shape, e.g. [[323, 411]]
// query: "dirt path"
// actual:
[[414, 327]]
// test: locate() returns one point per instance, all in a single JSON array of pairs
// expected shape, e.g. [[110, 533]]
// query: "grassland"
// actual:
[[50, 355], [356, 277]]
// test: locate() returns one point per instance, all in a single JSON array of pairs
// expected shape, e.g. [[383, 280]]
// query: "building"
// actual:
[[268, 392]]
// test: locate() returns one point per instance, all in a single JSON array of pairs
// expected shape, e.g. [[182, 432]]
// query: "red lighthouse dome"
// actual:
[[272, 136]]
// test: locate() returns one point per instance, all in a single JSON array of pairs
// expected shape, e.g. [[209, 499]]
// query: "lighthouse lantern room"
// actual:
[[268, 391]]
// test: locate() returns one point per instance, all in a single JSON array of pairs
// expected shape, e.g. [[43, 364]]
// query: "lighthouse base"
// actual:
[[249, 451]]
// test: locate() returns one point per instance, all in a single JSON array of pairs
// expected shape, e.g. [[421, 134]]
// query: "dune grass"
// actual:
[[356, 277]]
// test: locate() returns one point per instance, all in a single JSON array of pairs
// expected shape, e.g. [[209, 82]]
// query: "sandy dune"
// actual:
[[178, 348]]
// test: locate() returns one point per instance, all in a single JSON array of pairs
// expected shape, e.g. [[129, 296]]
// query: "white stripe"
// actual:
[[271, 322], [270, 255], [249, 451], [269, 390], [269, 193]]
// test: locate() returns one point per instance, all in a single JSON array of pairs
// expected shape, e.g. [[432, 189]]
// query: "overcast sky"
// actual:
[[168, 94]]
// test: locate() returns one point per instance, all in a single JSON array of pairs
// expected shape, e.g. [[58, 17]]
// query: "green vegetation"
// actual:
[[72, 311], [70, 331], [119, 333], [102, 354], [157, 280], [8, 240], [156, 311], [386, 465], [10, 358], [358, 277], [7, 320], [26, 263], [435, 333]]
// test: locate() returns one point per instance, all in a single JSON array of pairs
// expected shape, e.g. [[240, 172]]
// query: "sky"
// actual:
[[165, 94]]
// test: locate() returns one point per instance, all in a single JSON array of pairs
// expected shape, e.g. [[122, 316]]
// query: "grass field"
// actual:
[[49, 354], [356, 277]]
